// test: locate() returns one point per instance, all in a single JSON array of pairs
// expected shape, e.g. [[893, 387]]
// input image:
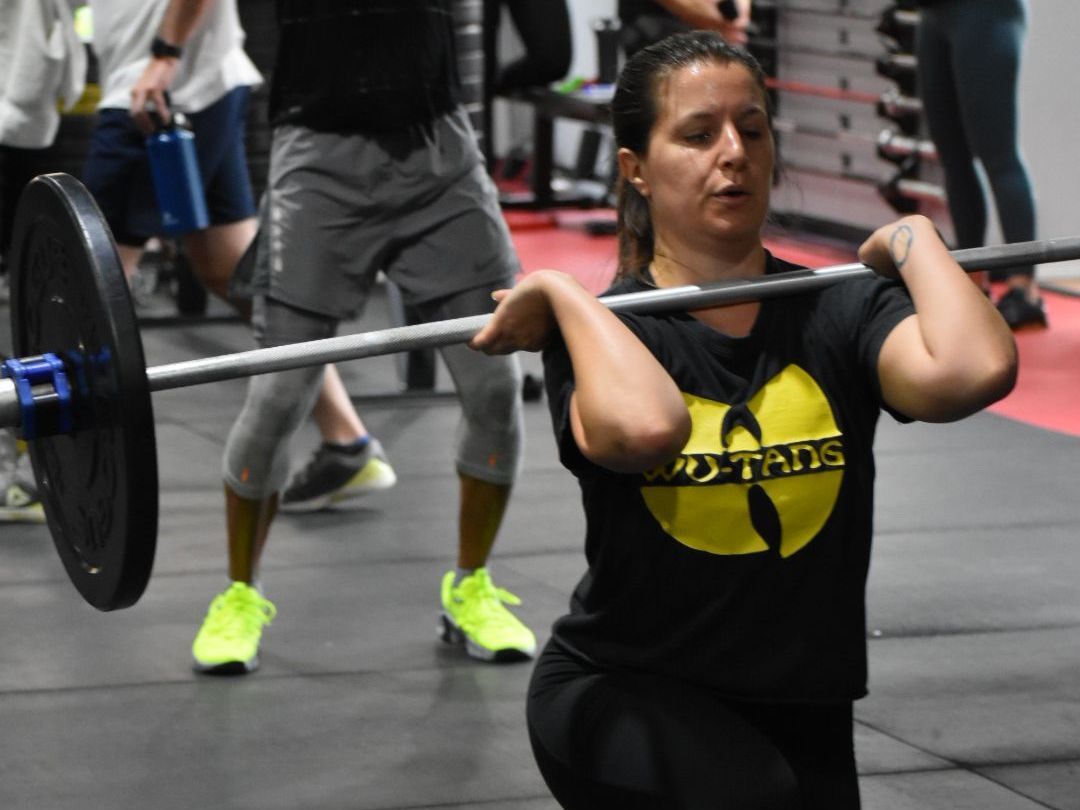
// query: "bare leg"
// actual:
[[129, 258], [480, 515], [215, 252], [338, 421], [248, 524], [227, 642], [473, 609]]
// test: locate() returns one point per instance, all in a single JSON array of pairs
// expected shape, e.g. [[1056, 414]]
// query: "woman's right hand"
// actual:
[[523, 319]]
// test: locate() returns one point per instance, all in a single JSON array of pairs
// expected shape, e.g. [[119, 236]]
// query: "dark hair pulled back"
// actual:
[[633, 115]]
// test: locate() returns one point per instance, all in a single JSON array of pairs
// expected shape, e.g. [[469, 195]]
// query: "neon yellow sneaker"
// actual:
[[228, 641], [473, 615]]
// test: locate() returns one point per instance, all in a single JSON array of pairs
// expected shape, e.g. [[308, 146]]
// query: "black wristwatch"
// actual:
[[728, 10], [160, 48]]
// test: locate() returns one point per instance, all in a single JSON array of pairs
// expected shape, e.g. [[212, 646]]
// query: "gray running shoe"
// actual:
[[335, 474], [20, 504]]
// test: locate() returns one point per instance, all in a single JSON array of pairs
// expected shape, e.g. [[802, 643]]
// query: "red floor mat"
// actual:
[[1047, 393], [589, 259]]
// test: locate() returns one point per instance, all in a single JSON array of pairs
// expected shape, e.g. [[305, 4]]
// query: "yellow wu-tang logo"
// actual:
[[753, 477]]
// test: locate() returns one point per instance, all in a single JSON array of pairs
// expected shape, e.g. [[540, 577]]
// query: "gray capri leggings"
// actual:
[[490, 434]]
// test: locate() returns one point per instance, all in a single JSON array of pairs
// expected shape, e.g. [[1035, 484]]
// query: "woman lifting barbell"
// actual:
[[715, 646]]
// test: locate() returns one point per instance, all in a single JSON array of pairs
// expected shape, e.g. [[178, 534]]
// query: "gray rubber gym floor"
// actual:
[[974, 620]]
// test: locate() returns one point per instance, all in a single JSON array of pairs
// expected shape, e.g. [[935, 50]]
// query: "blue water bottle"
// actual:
[[177, 181]]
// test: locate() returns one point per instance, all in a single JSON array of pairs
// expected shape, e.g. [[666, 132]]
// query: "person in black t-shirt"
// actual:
[[716, 643], [373, 166]]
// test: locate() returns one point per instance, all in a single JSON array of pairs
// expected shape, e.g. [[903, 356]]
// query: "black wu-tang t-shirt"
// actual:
[[741, 565]]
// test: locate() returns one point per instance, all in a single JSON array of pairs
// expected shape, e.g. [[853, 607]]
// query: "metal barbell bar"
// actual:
[[460, 330], [82, 373]]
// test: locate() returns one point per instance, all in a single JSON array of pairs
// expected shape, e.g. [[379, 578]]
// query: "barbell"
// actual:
[[78, 390]]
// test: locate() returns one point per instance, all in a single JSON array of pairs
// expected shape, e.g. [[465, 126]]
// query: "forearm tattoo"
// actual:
[[900, 245]]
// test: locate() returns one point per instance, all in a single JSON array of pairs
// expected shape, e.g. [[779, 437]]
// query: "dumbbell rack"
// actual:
[[849, 121], [915, 178]]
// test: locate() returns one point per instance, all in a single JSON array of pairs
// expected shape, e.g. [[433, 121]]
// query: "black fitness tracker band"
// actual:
[[160, 48]]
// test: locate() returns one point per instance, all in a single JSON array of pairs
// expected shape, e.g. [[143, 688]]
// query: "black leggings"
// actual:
[[544, 29], [646, 742], [969, 59]]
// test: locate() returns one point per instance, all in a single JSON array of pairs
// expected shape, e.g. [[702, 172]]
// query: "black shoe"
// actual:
[[1019, 312], [335, 474]]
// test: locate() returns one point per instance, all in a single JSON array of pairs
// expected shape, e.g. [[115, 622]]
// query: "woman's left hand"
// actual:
[[888, 248]]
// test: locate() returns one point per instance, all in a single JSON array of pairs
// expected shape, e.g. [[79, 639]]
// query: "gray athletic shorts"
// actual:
[[417, 205]]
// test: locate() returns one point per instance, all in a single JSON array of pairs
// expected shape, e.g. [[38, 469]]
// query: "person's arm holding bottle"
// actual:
[[148, 94], [709, 14]]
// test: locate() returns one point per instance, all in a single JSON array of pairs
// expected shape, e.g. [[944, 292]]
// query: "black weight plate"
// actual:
[[98, 484]]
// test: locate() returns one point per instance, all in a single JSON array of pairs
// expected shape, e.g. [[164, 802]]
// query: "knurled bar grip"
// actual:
[[461, 330], [314, 352]]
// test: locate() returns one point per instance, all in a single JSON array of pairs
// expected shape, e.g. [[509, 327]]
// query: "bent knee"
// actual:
[[494, 399]]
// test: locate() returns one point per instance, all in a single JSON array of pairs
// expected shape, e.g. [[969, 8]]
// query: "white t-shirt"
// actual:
[[213, 63], [40, 58]]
